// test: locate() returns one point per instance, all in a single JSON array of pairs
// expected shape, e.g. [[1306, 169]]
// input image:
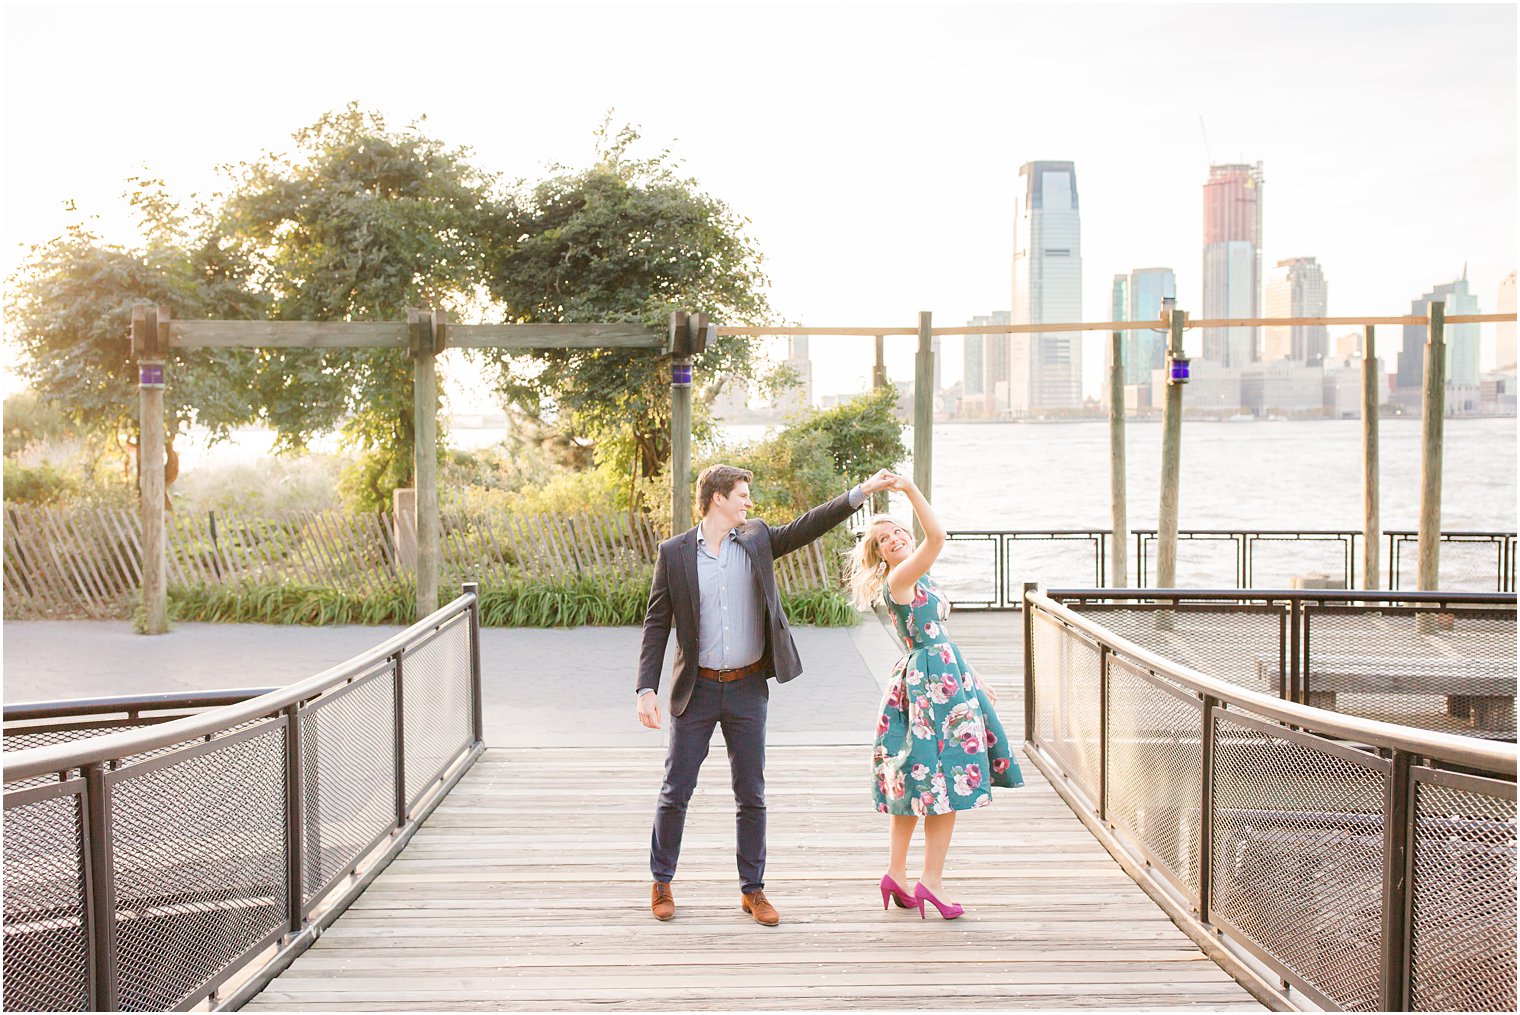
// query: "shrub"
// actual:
[[36, 484], [562, 601]]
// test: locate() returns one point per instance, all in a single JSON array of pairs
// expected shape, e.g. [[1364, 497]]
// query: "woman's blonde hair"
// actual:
[[868, 571]]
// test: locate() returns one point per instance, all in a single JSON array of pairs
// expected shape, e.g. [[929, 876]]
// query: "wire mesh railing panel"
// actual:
[[1466, 565], [1155, 738], [435, 691], [969, 569], [1446, 668], [1045, 638], [1242, 644], [1297, 854], [47, 964], [1299, 561], [1067, 669], [200, 870], [1462, 933], [1053, 561], [349, 770], [1202, 562]]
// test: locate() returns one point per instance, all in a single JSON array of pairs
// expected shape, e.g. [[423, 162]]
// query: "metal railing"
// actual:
[[1272, 558], [157, 860], [986, 568], [1440, 661], [1366, 865], [1058, 556]]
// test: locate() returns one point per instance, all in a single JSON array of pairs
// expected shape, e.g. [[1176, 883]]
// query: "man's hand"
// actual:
[[649, 710], [881, 481]]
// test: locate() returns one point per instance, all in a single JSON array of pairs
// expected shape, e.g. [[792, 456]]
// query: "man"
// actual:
[[717, 582]]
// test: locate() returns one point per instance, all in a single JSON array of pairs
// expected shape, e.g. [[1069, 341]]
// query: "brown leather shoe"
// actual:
[[758, 906], [661, 901]]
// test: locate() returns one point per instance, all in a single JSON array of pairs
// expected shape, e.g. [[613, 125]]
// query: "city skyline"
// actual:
[[938, 148]]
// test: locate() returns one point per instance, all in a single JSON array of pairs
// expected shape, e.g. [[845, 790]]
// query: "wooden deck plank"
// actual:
[[528, 890]]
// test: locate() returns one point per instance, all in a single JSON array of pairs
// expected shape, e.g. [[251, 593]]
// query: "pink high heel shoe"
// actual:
[[891, 889], [949, 911]]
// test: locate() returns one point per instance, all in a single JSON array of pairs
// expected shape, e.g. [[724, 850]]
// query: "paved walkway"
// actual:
[[524, 673]]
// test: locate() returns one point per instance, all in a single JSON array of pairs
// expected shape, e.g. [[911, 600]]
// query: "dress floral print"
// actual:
[[939, 745]]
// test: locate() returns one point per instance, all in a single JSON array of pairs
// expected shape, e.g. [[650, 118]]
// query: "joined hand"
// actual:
[[884, 479]]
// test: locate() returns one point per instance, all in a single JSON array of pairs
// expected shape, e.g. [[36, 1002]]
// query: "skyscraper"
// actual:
[[1045, 368], [1296, 288], [1145, 351], [1505, 332], [1231, 260], [1461, 339], [981, 351]]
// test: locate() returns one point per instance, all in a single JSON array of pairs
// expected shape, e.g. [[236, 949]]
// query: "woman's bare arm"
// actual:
[[905, 575]]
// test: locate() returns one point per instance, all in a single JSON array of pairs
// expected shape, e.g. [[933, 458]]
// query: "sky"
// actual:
[[873, 147]]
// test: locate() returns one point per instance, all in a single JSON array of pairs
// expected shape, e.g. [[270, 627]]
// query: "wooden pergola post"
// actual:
[[150, 342], [1118, 493], [1372, 575], [923, 411], [426, 335]]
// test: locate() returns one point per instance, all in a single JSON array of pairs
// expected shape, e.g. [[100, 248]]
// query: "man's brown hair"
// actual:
[[716, 479]]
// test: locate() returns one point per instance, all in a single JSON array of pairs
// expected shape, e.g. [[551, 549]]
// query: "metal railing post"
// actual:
[[1206, 811], [1104, 655], [1398, 830], [295, 823], [477, 703], [399, 731], [1296, 676], [1028, 663], [100, 875]]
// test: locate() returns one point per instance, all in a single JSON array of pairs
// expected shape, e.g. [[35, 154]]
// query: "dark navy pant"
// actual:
[[740, 708]]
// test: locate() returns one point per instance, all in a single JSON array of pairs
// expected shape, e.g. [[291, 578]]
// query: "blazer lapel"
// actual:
[[689, 566], [743, 538]]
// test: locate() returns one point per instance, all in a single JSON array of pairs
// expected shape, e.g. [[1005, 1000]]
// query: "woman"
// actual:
[[939, 745]]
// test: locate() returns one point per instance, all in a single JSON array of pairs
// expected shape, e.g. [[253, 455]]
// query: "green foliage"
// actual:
[[626, 240], [70, 308], [359, 223], [30, 420], [564, 601], [822, 454], [37, 484]]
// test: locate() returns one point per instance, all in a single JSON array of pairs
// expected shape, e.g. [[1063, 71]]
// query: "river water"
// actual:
[[1287, 474]]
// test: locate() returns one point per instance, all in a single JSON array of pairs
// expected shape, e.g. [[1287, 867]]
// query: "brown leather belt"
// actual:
[[729, 676]]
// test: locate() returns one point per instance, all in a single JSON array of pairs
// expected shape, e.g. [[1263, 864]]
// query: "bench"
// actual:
[[1480, 688]]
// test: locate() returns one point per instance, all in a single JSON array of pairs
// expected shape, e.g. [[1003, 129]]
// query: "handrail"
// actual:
[[1316, 595], [52, 758], [26, 711], [1445, 747]]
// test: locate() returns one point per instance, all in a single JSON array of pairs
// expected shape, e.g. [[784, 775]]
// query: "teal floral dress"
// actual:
[[939, 745]]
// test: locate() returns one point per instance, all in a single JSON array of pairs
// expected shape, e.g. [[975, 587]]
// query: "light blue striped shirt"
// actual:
[[730, 622]]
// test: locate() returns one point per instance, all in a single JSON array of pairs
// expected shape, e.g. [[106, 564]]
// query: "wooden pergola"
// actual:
[[423, 335], [427, 333]]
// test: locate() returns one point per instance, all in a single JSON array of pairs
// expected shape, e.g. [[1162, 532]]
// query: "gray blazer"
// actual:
[[673, 597]]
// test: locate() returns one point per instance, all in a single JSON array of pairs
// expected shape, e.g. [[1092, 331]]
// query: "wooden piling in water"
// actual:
[[1171, 466], [1432, 433], [1118, 495], [923, 410], [1372, 576]]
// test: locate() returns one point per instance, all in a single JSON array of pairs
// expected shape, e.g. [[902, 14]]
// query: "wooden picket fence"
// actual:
[[87, 561]]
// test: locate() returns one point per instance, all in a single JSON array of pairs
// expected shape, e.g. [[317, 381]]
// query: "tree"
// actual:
[[625, 240], [358, 224], [70, 310]]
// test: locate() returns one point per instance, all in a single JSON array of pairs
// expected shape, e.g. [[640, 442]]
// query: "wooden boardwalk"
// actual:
[[528, 890]]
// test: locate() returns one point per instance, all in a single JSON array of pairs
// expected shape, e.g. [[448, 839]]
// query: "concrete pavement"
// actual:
[[528, 674]]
